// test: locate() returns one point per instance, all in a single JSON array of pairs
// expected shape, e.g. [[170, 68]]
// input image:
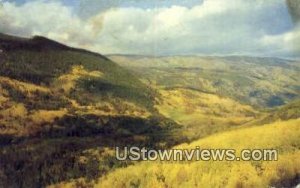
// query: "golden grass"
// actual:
[[23, 86], [68, 81], [106, 108], [183, 104], [11, 117], [283, 136], [47, 116], [16, 119], [203, 113]]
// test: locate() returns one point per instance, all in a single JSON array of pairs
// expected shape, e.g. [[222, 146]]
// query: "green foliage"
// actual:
[[104, 89], [41, 61]]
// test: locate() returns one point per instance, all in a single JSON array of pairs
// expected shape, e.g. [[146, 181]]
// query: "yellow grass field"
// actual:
[[283, 136]]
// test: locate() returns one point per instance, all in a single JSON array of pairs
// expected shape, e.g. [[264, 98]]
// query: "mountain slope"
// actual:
[[57, 102], [283, 136], [283, 113], [39, 75], [41, 61], [63, 111], [203, 114], [259, 81], [212, 94]]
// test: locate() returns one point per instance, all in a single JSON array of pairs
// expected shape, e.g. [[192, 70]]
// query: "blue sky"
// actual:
[[86, 8], [158, 27], [139, 3]]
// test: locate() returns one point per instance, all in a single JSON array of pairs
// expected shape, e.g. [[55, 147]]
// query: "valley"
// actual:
[[63, 110]]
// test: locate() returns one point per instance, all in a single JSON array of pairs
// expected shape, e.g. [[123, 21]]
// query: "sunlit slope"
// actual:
[[283, 136], [258, 81], [42, 81], [57, 102], [203, 113], [42, 61]]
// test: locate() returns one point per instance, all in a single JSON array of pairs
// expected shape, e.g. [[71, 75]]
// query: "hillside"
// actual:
[[283, 136], [286, 112], [43, 77], [63, 110], [187, 93], [212, 94], [258, 81], [57, 101], [203, 114]]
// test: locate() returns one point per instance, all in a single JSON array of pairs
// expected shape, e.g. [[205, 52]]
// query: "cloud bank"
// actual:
[[222, 27]]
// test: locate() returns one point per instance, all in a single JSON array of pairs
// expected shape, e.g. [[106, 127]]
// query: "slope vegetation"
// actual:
[[258, 81], [203, 114], [283, 136], [39, 74], [56, 102]]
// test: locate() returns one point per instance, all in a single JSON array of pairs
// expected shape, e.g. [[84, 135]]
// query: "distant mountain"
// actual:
[[263, 82]]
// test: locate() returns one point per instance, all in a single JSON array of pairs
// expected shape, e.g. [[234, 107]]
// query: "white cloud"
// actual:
[[287, 43], [50, 19], [213, 27]]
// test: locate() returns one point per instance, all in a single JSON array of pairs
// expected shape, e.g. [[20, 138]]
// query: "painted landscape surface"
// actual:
[[79, 78]]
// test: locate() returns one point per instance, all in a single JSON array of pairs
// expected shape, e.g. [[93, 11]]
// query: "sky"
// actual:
[[160, 27]]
